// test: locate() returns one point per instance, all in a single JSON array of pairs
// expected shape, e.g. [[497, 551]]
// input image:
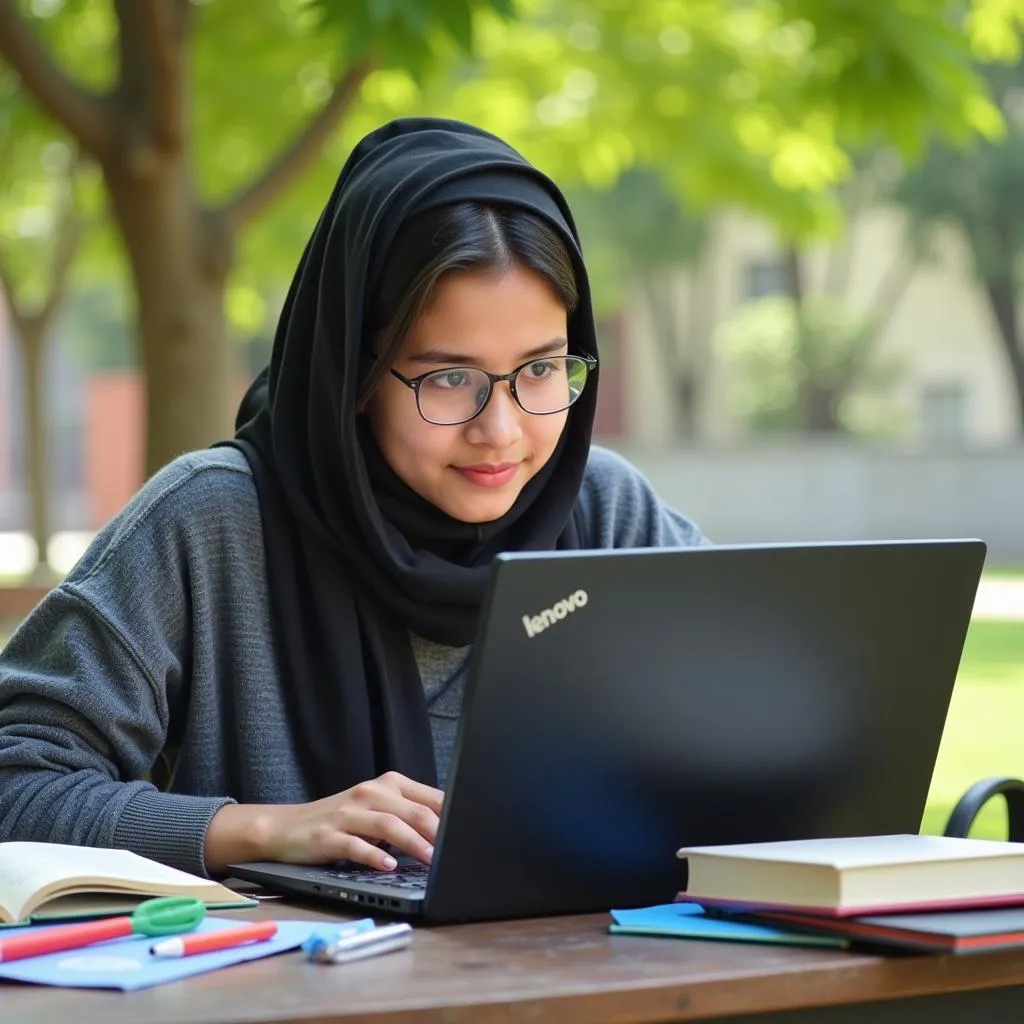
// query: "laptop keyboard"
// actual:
[[407, 876]]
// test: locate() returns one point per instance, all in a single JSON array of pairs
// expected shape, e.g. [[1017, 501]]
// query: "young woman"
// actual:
[[285, 618]]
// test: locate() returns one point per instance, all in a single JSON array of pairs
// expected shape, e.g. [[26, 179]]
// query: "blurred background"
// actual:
[[803, 221]]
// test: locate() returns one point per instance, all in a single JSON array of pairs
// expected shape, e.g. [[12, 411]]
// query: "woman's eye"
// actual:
[[542, 368], [450, 379]]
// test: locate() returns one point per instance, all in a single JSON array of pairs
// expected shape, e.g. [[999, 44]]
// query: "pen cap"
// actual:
[[324, 937]]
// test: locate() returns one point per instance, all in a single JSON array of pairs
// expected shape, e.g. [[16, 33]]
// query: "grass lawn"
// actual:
[[984, 725], [1004, 571]]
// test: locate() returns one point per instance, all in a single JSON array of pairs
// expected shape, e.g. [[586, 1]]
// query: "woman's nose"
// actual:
[[498, 426]]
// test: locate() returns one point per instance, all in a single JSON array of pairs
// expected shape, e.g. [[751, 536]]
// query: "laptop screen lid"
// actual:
[[621, 704]]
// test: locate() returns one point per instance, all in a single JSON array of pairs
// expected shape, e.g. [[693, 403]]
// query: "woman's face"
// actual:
[[474, 471]]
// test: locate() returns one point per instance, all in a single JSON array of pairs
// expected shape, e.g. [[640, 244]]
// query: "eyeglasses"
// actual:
[[460, 393]]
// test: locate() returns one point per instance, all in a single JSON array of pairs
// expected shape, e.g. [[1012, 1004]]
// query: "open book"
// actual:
[[41, 881]]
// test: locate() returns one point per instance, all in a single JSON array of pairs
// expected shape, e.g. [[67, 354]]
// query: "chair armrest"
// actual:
[[966, 810]]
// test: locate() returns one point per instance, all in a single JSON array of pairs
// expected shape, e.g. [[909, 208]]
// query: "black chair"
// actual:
[[967, 807]]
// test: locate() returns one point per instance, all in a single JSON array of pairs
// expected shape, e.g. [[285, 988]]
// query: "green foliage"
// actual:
[[758, 102], [402, 34], [897, 72], [976, 190], [750, 103], [631, 230], [284, 59], [35, 156], [81, 34], [994, 27], [786, 369]]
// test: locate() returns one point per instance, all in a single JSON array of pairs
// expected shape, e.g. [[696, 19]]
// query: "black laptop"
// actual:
[[622, 704]]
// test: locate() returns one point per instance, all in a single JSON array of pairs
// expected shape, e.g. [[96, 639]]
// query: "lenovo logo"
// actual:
[[534, 624]]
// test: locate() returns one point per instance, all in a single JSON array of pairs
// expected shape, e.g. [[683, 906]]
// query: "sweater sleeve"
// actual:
[[620, 508], [89, 684]]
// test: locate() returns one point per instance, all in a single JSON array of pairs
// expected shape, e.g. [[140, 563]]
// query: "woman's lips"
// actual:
[[489, 475]]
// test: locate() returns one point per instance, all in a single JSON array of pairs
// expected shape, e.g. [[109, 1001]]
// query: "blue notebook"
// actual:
[[688, 921], [127, 963]]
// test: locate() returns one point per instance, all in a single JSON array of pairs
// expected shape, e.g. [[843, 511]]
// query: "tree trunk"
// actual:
[[819, 412], [796, 289], [677, 364], [179, 265], [813, 409], [33, 337], [179, 250], [179, 259], [1002, 297]]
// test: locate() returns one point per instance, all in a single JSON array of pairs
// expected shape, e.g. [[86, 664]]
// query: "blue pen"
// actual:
[[355, 942], [319, 945]]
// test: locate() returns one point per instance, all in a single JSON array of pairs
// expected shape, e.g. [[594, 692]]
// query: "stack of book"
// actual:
[[912, 892]]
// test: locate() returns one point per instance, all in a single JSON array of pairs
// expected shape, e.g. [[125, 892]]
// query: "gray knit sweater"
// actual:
[[161, 637]]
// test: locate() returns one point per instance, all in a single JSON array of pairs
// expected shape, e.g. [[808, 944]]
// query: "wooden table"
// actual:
[[555, 970]]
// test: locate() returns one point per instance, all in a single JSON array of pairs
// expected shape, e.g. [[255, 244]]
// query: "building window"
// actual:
[[762, 278], [944, 411]]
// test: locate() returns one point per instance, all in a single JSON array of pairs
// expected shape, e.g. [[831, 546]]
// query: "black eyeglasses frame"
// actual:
[[413, 383]]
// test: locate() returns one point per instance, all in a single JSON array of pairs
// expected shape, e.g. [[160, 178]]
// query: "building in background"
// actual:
[[954, 386], [955, 391], [66, 382]]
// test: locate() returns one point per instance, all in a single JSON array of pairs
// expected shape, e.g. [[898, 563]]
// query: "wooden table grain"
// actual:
[[552, 970]]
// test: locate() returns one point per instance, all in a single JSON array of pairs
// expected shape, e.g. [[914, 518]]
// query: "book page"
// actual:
[[86, 905], [28, 869]]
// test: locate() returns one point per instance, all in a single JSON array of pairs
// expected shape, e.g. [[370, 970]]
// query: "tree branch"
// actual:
[[796, 287], [163, 25], [794, 271], [857, 196], [678, 365], [83, 113], [886, 299], [66, 239], [68, 235], [839, 265], [18, 315], [995, 270], [287, 165], [891, 289], [839, 262]]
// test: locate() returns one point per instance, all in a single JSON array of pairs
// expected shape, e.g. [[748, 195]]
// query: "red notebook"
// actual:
[[890, 907], [962, 931]]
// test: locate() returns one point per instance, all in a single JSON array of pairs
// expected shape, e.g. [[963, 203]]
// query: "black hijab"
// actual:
[[355, 558]]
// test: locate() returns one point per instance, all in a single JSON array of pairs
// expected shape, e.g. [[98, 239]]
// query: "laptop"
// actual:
[[621, 704]]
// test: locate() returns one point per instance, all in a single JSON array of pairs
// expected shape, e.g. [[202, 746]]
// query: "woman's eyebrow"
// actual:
[[437, 355]]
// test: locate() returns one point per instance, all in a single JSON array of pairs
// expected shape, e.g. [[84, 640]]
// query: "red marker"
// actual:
[[210, 942], [63, 937]]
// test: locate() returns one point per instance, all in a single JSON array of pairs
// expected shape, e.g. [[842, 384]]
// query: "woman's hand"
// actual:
[[390, 809]]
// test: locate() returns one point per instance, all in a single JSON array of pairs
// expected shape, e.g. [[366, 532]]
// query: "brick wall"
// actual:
[[113, 442]]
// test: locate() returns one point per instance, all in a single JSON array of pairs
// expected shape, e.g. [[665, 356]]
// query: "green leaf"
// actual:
[[758, 104], [458, 23]]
